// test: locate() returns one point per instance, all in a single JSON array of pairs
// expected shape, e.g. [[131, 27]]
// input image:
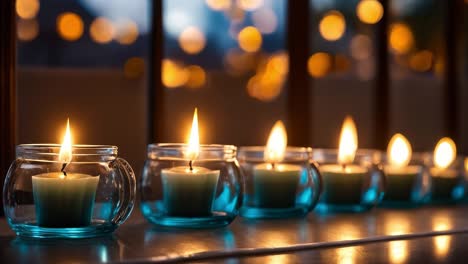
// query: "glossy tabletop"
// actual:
[[382, 235]]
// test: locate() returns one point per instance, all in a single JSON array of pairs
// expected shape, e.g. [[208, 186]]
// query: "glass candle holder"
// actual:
[[287, 189], [408, 186], [175, 196], [93, 199], [355, 187], [448, 184]]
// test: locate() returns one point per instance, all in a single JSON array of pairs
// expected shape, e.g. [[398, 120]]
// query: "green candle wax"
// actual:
[[189, 193], [275, 186], [342, 185], [64, 201], [400, 182]]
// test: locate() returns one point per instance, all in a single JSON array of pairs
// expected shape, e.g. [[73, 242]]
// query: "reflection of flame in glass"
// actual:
[[442, 243], [398, 250]]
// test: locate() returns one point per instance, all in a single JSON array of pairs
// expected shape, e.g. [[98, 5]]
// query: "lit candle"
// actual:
[[401, 179], [189, 191], [64, 199], [445, 179], [275, 183], [343, 183]]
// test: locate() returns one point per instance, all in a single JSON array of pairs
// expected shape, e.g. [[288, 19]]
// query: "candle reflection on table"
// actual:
[[442, 243], [398, 250]]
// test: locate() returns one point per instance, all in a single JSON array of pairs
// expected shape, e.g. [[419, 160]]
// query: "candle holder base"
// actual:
[[264, 213], [323, 208], [32, 230]]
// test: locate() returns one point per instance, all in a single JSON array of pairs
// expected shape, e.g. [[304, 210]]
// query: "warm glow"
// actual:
[[267, 83], [193, 146], [445, 153], [197, 76], [369, 11], [332, 26], [421, 61], [134, 67], [126, 32], [173, 74], [192, 40], [218, 4], [442, 243], [398, 250], [70, 26], [276, 145], [65, 154], [27, 9], [250, 39], [265, 20], [348, 141], [249, 5], [27, 30], [101, 30], [401, 38], [399, 151], [466, 165], [361, 47], [319, 64]]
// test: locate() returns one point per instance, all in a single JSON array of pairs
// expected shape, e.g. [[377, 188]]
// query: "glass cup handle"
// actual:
[[317, 177], [127, 189]]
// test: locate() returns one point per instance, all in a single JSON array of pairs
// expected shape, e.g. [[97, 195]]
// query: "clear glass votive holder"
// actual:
[[448, 185], [290, 188], [208, 195], [93, 199], [356, 187], [408, 186]]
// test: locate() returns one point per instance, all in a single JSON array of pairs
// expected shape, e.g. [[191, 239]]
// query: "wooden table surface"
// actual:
[[428, 234]]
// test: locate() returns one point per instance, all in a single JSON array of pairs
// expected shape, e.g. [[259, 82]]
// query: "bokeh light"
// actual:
[[319, 64], [173, 74], [218, 5], [126, 31], [70, 26], [197, 76], [250, 39], [192, 40], [27, 9], [332, 26], [421, 61], [249, 5], [101, 30], [361, 47], [134, 68], [27, 29], [238, 62], [369, 11], [342, 63], [401, 38], [265, 20]]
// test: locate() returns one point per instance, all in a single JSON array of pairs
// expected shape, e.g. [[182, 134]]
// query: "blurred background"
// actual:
[[94, 62]]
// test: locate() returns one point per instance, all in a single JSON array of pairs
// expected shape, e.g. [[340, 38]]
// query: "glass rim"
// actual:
[[203, 147], [77, 149], [289, 149]]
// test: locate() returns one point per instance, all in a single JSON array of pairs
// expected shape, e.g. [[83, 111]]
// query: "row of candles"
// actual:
[[189, 188]]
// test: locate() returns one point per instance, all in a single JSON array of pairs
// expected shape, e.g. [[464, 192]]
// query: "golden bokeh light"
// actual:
[[126, 32], [134, 68], [265, 20], [250, 39], [218, 5], [196, 76], [267, 84], [401, 38], [173, 74], [70, 26], [239, 62], [27, 9], [249, 5], [421, 61], [332, 26], [101, 30], [319, 64], [369, 11], [192, 40], [27, 29]]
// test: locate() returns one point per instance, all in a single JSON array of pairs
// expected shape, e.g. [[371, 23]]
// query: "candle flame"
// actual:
[[445, 153], [399, 151], [193, 148], [65, 154], [348, 142], [276, 144]]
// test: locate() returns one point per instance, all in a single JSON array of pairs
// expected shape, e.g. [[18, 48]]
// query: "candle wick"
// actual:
[[190, 165], [63, 169]]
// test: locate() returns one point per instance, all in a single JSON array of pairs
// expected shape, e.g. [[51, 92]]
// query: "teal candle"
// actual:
[[189, 193], [400, 182], [275, 186], [64, 201], [342, 185]]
